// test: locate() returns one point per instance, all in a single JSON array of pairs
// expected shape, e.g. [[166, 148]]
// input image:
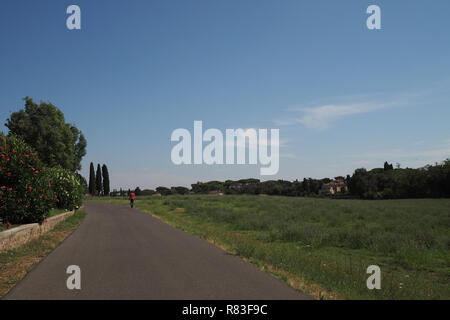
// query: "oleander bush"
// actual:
[[67, 186], [25, 195]]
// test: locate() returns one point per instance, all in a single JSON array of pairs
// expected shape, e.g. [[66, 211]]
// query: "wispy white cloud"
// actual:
[[323, 115]]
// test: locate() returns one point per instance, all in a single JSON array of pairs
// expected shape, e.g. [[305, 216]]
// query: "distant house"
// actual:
[[156, 194], [333, 187], [216, 193]]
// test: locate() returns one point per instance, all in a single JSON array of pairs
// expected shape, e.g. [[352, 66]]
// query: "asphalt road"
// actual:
[[124, 253]]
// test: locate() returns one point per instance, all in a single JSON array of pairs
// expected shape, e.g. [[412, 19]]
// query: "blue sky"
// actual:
[[342, 96]]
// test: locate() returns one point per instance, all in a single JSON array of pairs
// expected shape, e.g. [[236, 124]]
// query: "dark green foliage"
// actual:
[[432, 181], [163, 191], [309, 187], [98, 181], [388, 166], [92, 188], [179, 190], [105, 175], [43, 127], [137, 191]]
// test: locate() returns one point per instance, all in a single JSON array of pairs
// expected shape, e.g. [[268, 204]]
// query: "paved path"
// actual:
[[124, 253]]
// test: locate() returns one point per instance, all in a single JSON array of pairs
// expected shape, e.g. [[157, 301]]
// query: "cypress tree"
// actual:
[[92, 180], [105, 175], [98, 180]]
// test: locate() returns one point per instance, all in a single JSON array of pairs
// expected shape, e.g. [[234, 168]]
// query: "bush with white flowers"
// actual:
[[67, 187]]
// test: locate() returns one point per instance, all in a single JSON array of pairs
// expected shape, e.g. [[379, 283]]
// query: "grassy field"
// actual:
[[16, 263], [324, 246]]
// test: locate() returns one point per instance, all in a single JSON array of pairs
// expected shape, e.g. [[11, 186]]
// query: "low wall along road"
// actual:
[[16, 237]]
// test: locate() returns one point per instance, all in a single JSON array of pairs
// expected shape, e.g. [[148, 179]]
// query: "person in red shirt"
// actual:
[[132, 196]]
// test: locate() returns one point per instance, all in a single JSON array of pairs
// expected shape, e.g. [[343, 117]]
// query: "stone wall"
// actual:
[[15, 237]]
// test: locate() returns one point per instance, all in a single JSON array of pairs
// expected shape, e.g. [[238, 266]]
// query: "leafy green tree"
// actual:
[[98, 180], [388, 166], [43, 127], [105, 175], [92, 188], [137, 191], [179, 190], [163, 191]]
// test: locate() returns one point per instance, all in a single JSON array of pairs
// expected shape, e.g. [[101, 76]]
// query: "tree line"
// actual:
[[308, 187], [431, 181], [99, 181]]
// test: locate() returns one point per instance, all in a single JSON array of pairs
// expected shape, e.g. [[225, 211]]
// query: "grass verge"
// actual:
[[16, 263]]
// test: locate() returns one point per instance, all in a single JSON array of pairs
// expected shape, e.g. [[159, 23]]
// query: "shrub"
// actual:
[[25, 196], [68, 187]]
